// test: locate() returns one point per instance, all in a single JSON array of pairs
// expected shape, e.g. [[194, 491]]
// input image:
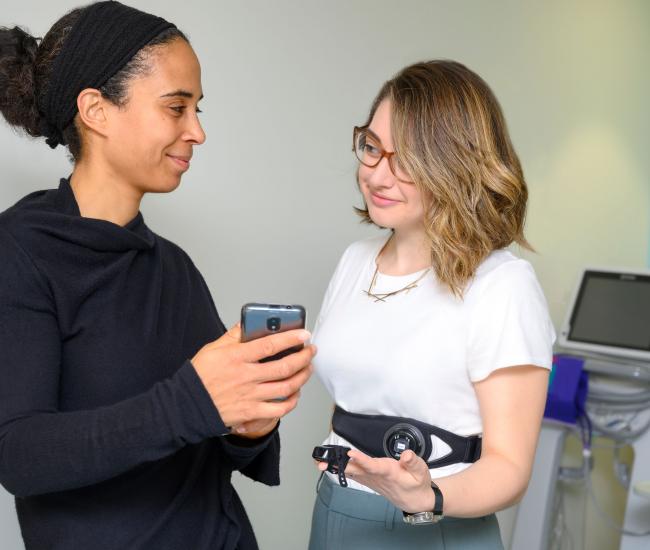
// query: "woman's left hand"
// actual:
[[405, 482]]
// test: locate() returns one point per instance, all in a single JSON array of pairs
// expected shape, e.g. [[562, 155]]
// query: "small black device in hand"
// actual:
[[336, 457], [258, 320]]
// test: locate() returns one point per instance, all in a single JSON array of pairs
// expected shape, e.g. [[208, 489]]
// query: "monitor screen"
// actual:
[[612, 309]]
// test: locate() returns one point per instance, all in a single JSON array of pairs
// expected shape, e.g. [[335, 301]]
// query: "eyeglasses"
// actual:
[[369, 151]]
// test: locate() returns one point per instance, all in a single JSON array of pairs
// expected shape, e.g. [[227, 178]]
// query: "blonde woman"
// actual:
[[434, 340]]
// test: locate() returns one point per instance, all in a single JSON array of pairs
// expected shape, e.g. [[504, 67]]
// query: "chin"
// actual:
[[164, 184], [380, 218], [381, 221]]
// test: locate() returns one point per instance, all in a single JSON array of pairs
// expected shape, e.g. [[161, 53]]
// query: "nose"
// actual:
[[194, 132], [381, 175]]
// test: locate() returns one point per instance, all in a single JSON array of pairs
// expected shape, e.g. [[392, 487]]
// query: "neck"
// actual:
[[406, 252], [103, 195]]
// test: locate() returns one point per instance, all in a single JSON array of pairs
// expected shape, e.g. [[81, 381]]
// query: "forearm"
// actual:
[[489, 485], [55, 451], [512, 403]]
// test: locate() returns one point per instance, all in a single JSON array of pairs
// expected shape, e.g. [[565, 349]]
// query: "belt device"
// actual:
[[378, 435], [337, 459]]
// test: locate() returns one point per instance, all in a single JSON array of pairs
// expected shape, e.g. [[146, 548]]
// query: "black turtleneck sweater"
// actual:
[[108, 438]]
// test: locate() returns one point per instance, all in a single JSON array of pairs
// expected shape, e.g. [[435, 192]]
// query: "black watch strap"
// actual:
[[435, 515], [437, 506]]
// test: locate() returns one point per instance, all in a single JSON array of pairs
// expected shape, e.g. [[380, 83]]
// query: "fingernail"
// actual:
[[304, 335], [241, 430]]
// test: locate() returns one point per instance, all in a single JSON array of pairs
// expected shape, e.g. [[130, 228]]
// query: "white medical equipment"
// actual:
[[607, 326]]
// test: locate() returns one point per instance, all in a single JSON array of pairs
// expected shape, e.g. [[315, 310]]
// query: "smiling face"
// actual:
[[391, 203], [150, 139]]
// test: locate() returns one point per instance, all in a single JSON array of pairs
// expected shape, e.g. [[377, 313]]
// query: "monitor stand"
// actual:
[[535, 513]]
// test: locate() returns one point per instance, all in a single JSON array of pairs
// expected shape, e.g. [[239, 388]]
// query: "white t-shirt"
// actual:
[[417, 354]]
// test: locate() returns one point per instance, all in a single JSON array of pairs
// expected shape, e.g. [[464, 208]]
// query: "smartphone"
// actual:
[[258, 320]]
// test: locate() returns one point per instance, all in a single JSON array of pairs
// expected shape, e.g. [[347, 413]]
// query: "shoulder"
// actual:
[[503, 265], [178, 263], [24, 213], [171, 248], [32, 216], [503, 274], [364, 249], [17, 225], [174, 253], [357, 255]]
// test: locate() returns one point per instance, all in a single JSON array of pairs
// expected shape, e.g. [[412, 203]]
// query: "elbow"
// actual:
[[14, 479], [11, 490], [521, 485], [518, 495], [10, 484], [17, 483], [519, 477], [513, 496]]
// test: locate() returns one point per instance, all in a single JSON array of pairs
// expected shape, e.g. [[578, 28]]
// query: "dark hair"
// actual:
[[451, 137], [26, 67]]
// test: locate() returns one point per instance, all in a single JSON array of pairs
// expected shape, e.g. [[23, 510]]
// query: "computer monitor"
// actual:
[[610, 314]]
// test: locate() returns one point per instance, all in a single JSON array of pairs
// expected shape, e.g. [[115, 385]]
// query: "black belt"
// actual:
[[378, 435]]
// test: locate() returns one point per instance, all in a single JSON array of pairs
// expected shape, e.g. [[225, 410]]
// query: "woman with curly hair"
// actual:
[[434, 340], [125, 406]]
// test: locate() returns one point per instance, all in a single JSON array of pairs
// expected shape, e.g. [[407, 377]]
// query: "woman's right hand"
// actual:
[[241, 388]]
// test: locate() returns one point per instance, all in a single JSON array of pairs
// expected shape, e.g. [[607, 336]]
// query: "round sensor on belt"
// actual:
[[400, 437]]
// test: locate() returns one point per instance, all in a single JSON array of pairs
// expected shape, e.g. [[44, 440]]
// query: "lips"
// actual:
[[182, 161], [381, 201]]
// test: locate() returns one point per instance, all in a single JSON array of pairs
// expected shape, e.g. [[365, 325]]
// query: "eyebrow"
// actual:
[[373, 135], [181, 93]]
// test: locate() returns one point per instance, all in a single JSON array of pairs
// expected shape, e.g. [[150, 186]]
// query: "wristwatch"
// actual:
[[424, 518]]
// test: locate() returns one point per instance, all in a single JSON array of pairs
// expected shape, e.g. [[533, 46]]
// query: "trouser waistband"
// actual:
[[357, 504]]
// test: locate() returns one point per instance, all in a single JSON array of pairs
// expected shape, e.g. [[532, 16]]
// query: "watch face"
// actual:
[[422, 518]]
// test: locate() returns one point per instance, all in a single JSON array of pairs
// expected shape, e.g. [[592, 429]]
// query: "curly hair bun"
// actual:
[[17, 92]]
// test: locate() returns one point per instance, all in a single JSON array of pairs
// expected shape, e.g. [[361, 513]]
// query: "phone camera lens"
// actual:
[[288, 307], [273, 323]]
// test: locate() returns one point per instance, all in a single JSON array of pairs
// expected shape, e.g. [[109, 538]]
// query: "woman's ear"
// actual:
[[92, 110]]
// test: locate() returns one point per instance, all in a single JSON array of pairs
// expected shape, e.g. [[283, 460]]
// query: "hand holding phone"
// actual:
[[241, 388]]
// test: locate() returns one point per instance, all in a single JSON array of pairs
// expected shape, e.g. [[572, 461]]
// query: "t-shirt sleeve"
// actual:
[[509, 322]]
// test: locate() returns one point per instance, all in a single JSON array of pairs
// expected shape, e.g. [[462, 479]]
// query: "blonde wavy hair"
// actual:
[[450, 136]]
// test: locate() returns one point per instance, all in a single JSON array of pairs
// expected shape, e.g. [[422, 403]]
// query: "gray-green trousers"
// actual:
[[348, 519]]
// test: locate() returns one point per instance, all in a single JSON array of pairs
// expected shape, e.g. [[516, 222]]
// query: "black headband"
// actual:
[[103, 40]]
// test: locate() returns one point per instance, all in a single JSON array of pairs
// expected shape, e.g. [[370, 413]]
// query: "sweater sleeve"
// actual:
[[43, 449], [257, 459]]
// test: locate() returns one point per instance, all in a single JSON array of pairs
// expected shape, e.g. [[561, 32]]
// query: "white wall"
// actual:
[[266, 209]]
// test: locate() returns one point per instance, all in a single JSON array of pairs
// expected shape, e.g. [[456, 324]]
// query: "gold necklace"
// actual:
[[381, 296]]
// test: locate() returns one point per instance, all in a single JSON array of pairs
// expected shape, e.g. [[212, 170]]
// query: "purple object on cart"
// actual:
[[567, 389]]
